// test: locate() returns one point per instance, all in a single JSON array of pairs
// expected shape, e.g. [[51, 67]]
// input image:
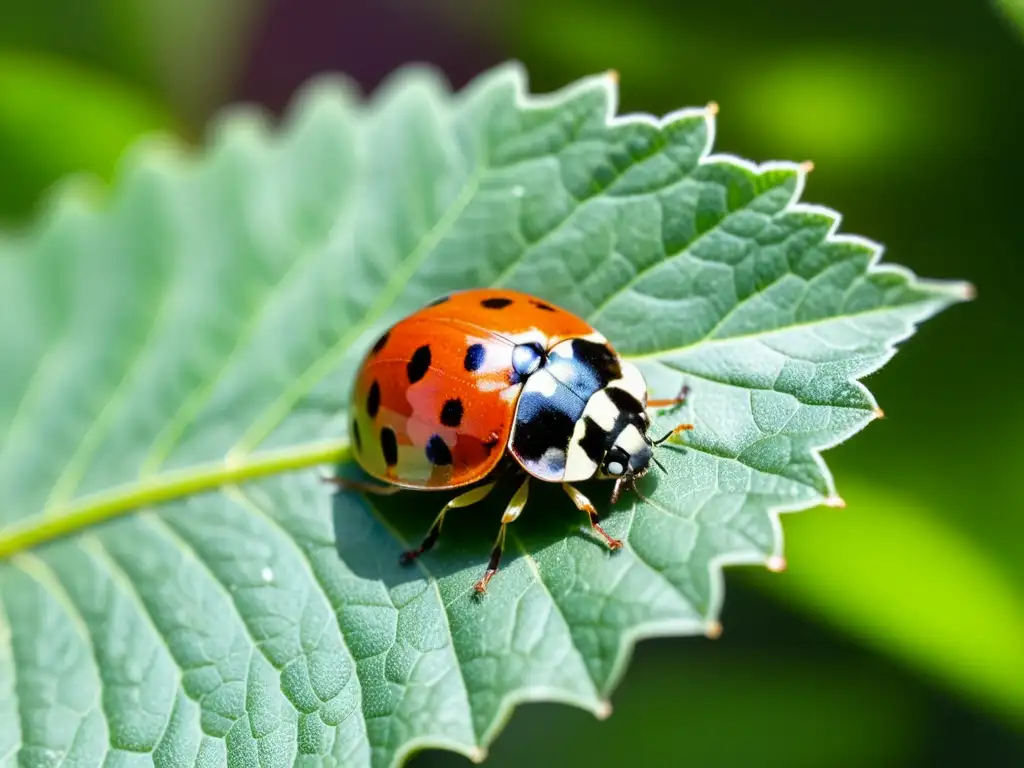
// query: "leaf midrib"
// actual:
[[99, 507]]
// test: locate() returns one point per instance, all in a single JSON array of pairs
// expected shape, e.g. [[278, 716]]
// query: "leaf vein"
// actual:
[[532, 564], [245, 499], [761, 335], [190, 552], [630, 284], [265, 423], [92, 545], [40, 572], [32, 391], [432, 580], [65, 485], [7, 637], [165, 442], [751, 388]]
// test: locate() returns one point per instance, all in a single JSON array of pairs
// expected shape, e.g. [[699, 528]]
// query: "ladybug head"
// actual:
[[631, 454]]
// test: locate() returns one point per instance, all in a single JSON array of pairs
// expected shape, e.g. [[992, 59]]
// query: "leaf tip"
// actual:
[[711, 108], [713, 629], [776, 564], [836, 502], [613, 75], [968, 291], [878, 413], [807, 166], [604, 710], [478, 755]]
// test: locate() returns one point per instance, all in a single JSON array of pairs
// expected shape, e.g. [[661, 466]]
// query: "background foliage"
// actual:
[[895, 638]]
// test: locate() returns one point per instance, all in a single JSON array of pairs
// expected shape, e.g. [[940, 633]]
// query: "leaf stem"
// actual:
[[102, 507]]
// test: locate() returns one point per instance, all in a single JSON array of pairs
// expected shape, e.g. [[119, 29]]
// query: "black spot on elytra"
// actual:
[[474, 357], [420, 363], [437, 452], [496, 302], [389, 446], [381, 342], [355, 436], [542, 305], [441, 300], [451, 412], [373, 400]]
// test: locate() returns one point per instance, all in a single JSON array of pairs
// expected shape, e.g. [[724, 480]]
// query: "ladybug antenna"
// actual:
[[660, 466]]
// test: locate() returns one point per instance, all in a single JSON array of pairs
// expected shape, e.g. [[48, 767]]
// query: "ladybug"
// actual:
[[485, 381]]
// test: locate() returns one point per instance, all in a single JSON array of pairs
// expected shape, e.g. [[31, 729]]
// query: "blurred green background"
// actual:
[[896, 636]]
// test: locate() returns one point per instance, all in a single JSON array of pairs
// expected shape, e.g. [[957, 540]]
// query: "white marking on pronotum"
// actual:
[[630, 440], [632, 381], [578, 466], [602, 410], [563, 350]]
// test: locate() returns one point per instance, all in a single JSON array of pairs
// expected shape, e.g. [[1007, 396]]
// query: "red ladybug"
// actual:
[[484, 381]]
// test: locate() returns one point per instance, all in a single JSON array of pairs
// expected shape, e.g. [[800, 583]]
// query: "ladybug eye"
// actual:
[[616, 461]]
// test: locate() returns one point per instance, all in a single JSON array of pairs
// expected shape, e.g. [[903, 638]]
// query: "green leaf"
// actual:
[[193, 344]]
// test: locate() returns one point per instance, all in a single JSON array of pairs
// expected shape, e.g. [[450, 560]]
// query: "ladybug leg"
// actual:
[[515, 506], [471, 496], [679, 399], [584, 505]]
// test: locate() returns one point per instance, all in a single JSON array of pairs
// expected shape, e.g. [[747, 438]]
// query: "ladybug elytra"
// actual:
[[483, 381]]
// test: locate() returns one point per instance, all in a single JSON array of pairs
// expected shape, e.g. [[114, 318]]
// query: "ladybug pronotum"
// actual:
[[484, 382]]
